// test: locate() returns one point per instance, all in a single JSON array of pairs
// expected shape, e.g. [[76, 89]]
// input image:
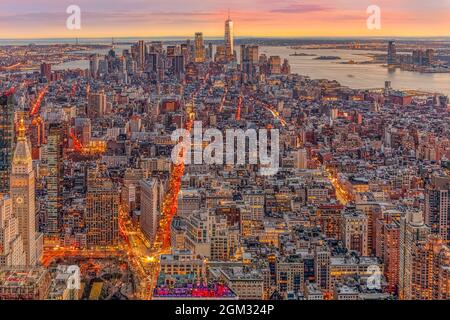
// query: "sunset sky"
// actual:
[[274, 18]]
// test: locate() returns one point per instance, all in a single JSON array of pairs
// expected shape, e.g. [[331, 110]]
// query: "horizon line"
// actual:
[[236, 37]]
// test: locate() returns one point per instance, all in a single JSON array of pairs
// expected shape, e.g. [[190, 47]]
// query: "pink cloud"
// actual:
[[300, 8]]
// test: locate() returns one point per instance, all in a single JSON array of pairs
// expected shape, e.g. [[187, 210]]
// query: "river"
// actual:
[[357, 76]]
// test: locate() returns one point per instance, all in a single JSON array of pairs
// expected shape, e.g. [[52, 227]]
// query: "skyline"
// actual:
[[253, 170], [147, 18]]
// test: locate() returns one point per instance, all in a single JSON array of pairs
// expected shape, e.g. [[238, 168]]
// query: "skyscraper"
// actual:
[[199, 47], [102, 210], [149, 208], [23, 196], [152, 61], [96, 104], [322, 268], [54, 155], [93, 65], [355, 231], [392, 54], [141, 54], [301, 159], [229, 39], [437, 206], [286, 67], [274, 65], [6, 140], [249, 58], [12, 253], [178, 66], [46, 71], [429, 267], [388, 249], [412, 230]]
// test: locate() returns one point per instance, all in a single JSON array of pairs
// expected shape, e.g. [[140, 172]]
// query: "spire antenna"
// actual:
[[21, 129]]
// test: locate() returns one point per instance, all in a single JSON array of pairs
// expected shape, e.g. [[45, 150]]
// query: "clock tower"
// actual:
[[23, 195]]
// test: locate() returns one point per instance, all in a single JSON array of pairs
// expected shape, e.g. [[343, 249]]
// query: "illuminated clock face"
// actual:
[[19, 200]]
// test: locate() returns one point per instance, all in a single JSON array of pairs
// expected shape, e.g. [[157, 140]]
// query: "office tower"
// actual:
[[23, 196], [141, 53], [210, 51], [229, 39], [437, 206], [412, 230], [322, 257], [274, 65], [37, 137], [178, 66], [249, 58], [199, 48], [102, 210], [286, 67], [96, 104], [388, 249], [46, 71], [429, 57], [355, 231], [262, 60], [244, 56], [149, 208], [54, 161], [152, 61], [220, 55], [6, 139], [430, 261], [392, 54], [423, 58], [253, 54], [301, 159], [12, 253], [103, 67], [185, 49], [93, 65]]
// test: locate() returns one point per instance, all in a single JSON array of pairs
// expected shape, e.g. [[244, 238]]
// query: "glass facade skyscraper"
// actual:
[[6, 139], [229, 39]]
